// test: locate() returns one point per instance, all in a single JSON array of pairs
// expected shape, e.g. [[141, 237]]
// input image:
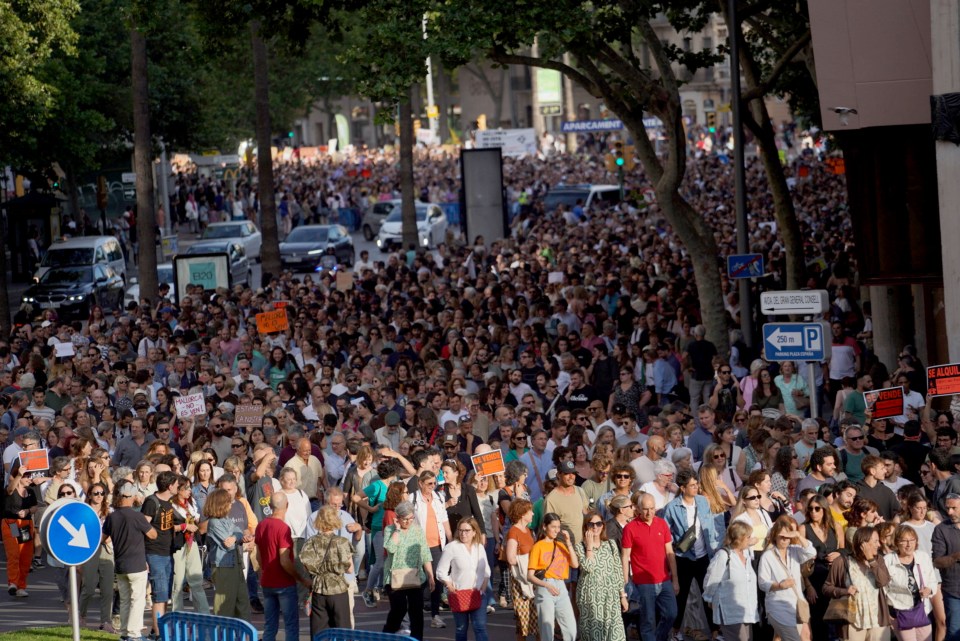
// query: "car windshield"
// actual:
[[68, 256], [397, 215], [568, 198], [223, 231], [308, 235], [67, 275]]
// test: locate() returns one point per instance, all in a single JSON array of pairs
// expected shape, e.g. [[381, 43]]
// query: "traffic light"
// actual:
[[712, 121], [628, 158], [289, 134]]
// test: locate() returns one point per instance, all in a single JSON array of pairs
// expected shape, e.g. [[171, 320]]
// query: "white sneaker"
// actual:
[[22, 594], [437, 622], [404, 632], [491, 609]]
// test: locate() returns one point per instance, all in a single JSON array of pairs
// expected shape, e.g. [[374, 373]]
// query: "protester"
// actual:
[[279, 576], [99, 570], [730, 585], [551, 560], [225, 540], [601, 597], [780, 578], [328, 557], [408, 567], [862, 576], [463, 569], [914, 583]]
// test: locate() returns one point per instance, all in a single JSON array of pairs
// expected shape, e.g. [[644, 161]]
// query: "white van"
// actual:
[[84, 250]]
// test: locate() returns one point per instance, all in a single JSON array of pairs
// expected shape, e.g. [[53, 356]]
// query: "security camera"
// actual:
[[844, 113]]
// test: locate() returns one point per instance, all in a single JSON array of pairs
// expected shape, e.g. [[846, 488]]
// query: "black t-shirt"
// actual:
[[701, 359], [160, 513], [579, 399], [126, 528]]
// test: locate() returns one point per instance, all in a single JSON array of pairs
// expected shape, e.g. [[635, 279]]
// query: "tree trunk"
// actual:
[[270, 250], [143, 168], [411, 239]]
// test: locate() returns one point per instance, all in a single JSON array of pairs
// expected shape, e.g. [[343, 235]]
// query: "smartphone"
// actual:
[[15, 531]]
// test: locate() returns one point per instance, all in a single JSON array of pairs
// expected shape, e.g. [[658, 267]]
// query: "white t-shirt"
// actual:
[[700, 547]]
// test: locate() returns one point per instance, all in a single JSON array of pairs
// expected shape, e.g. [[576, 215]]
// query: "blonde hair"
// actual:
[[709, 481], [327, 519]]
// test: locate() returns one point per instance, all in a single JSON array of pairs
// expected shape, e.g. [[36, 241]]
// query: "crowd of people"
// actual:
[[642, 470]]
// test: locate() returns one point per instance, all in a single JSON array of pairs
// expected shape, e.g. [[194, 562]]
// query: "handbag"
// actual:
[[405, 579], [464, 600], [690, 536], [915, 617], [841, 610], [542, 574]]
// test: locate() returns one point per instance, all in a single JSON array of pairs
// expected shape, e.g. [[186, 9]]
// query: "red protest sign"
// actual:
[[884, 403], [943, 380], [488, 463]]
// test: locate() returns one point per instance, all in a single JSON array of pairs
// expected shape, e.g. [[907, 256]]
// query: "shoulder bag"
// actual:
[[690, 536], [915, 617], [542, 574], [842, 610], [466, 600], [405, 578]]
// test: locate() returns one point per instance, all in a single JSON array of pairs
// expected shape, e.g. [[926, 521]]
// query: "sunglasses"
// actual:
[[816, 508], [637, 450], [62, 494], [621, 476], [94, 493], [595, 524], [856, 438], [717, 457], [755, 497], [236, 445], [725, 371]]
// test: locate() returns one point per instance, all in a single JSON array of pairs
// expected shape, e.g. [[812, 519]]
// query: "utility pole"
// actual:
[[746, 304]]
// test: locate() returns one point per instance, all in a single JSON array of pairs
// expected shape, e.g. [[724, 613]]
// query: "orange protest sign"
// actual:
[[488, 463], [884, 403], [275, 321], [943, 380], [34, 461], [280, 304]]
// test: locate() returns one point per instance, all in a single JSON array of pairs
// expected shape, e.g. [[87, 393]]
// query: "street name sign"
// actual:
[[795, 342], [805, 302]]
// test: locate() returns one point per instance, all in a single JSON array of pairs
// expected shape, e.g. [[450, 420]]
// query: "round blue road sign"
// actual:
[[70, 531]]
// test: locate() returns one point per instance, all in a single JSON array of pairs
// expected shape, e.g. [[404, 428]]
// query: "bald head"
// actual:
[[648, 508], [656, 447], [278, 502]]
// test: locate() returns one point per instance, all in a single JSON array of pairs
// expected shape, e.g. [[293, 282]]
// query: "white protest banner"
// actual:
[[190, 406], [513, 142], [64, 350]]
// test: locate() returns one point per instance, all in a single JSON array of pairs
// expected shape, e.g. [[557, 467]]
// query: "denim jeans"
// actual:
[[657, 601], [952, 606], [375, 575], [490, 547], [476, 618], [161, 576], [557, 609], [275, 602]]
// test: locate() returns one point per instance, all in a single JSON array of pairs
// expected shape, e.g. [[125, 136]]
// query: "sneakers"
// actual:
[[108, 628], [376, 595], [37, 563], [437, 622], [12, 589], [368, 599], [22, 594], [404, 632], [491, 609]]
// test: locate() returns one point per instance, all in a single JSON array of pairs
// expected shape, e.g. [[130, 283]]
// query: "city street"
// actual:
[[43, 608]]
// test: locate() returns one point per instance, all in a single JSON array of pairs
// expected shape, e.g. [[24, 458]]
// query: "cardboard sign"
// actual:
[[65, 350], [248, 416], [554, 277], [943, 380], [885, 403], [190, 406], [34, 461], [488, 463], [344, 281], [275, 321], [280, 304]]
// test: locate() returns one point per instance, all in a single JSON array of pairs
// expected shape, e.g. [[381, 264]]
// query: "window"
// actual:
[[99, 256], [113, 251]]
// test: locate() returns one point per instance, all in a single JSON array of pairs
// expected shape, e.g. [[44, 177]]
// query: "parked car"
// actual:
[[164, 275], [431, 227], [242, 231], [84, 251], [72, 290], [307, 244], [374, 216], [240, 271]]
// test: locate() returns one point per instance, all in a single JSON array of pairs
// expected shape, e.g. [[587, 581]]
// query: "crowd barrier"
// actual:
[[187, 626]]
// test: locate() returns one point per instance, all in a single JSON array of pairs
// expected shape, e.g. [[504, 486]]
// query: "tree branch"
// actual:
[[543, 63], [748, 11], [763, 88], [667, 76]]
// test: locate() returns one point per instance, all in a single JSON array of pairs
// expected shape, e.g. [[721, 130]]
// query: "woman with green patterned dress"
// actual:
[[600, 594]]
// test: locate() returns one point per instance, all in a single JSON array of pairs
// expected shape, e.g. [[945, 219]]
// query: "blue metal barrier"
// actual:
[[187, 626], [342, 634]]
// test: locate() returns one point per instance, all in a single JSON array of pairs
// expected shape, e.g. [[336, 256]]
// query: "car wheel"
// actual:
[[368, 232]]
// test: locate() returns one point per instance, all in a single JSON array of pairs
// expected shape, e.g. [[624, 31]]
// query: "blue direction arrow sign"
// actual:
[[71, 532], [795, 342], [745, 265]]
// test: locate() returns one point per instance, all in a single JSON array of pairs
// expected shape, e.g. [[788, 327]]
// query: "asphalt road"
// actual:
[[44, 608]]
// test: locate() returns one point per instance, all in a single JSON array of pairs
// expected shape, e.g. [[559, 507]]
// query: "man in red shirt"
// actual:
[[648, 556], [278, 573]]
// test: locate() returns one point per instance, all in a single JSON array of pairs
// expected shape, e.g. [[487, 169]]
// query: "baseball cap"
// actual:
[[46, 324], [21, 431], [392, 418], [566, 467], [166, 310], [128, 489], [450, 438]]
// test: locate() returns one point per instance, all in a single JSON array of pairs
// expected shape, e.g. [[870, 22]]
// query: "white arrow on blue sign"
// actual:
[[795, 342], [70, 531]]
